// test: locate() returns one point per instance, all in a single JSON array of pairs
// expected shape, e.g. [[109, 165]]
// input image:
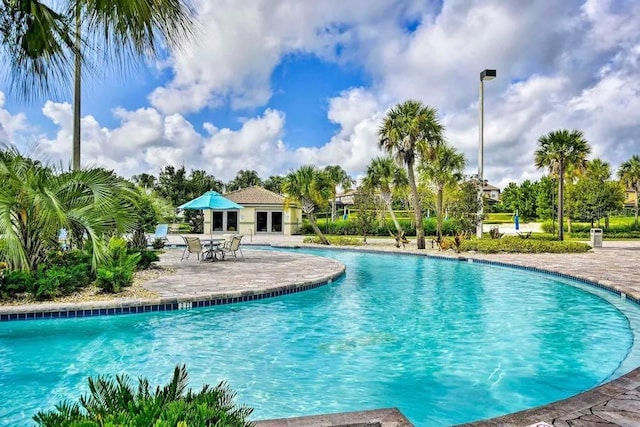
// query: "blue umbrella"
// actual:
[[211, 200]]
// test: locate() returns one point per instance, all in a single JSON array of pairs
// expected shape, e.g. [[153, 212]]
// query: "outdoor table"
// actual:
[[212, 246]]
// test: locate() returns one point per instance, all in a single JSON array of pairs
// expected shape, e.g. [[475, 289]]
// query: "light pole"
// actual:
[[484, 75]]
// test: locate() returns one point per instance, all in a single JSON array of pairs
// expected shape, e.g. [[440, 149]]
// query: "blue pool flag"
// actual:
[[516, 221]]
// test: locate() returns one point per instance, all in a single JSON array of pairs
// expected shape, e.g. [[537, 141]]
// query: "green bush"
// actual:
[[59, 280], [158, 243], [335, 240], [118, 403], [117, 271], [515, 244], [146, 258], [348, 227], [14, 283]]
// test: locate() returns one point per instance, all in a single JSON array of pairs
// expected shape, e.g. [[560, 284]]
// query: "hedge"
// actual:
[[515, 244]]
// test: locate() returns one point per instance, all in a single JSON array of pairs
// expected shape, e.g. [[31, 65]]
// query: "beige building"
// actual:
[[263, 212]]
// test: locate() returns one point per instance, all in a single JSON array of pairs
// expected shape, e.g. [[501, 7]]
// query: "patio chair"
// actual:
[[192, 245], [231, 247], [161, 233]]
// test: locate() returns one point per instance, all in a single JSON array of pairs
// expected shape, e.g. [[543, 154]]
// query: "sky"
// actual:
[[275, 84]]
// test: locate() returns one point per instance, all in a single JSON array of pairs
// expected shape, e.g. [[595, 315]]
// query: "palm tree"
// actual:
[[310, 188], [36, 202], [43, 43], [445, 169], [337, 176], [244, 179], [629, 174], [559, 150], [407, 132], [384, 175]]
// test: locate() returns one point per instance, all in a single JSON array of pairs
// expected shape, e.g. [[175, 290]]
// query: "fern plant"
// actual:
[[115, 402]]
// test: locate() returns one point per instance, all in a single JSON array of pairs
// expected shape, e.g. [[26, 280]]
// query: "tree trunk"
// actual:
[[316, 229], [333, 208], [77, 95], [439, 207], [417, 208], [387, 202], [561, 202]]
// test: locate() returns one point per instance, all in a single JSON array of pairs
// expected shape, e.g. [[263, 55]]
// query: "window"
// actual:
[[261, 222], [232, 221], [276, 222], [217, 221]]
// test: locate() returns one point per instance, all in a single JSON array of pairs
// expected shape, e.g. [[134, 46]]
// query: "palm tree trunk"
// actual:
[[76, 95], [439, 204], [333, 207], [416, 206], [561, 202], [316, 229]]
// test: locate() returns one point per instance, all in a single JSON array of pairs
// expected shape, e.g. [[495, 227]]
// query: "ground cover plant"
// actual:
[[516, 244], [116, 402]]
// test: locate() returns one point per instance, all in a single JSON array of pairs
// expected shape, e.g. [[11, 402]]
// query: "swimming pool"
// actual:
[[445, 342]]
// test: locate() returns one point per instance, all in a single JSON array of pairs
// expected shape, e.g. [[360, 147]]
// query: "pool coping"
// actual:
[[66, 310]]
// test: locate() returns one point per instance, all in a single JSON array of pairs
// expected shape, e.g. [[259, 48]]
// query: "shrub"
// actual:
[[15, 282], [158, 243], [518, 245], [335, 240], [146, 258], [117, 402], [117, 272], [59, 280]]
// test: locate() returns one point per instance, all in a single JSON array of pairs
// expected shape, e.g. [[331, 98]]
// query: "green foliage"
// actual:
[[158, 243], [117, 272], [335, 240], [366, 204], [117, 403], [515, 244], [15, 282], [60, 280], [146, 258]]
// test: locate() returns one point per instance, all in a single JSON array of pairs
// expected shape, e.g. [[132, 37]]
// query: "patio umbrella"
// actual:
[[213, 201]]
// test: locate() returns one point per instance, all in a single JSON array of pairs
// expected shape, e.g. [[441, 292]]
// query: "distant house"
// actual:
[[630, 198], [264, 212], [491, 193], [346, 198]]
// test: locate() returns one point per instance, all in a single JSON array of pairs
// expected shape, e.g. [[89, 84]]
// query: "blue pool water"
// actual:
[[445, 342]]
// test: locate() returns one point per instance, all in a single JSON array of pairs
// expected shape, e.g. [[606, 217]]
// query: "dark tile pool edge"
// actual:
[[112, 308]]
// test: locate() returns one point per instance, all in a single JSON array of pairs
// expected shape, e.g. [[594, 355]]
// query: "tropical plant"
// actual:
[[443, 170], [117, 271], [274, 183], [41, 42], [118, 403], [384, 175], [36, 202], [244, 179], [557, 151], [629, 174], [366, 206], [408, 131], [337, 177], [310, 188]]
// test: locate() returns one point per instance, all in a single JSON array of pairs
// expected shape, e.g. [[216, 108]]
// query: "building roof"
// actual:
[[490, 187], [255, 196]]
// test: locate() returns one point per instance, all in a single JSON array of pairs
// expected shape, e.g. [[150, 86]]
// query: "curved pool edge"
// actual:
[[268, 275], [614, 403]]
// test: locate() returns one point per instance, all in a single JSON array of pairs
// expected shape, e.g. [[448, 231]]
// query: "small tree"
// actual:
[[366, 205], [309, 187]]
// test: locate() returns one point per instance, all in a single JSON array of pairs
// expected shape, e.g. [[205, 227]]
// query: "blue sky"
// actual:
[[280, 83]]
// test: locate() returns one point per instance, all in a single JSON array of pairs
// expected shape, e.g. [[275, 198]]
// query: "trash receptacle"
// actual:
[[596, 237]]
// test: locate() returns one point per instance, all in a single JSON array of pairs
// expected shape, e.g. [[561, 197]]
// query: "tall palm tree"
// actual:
[[337, 177], [384, 175], [557, 151], [42, 43], [36, 202], [629, 174], [407, 132], [244, 179], [444, 169], [310, 188]]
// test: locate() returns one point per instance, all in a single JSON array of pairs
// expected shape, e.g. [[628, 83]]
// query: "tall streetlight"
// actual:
[[484, 75]]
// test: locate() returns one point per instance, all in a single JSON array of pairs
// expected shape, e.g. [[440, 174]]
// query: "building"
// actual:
[[263, 212], [491, 193]]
